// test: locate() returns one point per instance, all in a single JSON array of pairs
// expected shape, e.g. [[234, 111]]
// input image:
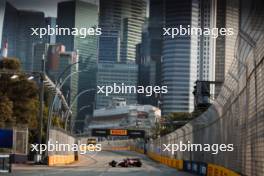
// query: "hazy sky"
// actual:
[[49, 7]]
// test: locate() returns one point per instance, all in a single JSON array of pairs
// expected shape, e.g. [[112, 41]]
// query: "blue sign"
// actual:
[[6, 138]]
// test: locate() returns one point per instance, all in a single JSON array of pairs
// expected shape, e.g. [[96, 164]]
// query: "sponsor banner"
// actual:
[[118, 132], [6, 138]]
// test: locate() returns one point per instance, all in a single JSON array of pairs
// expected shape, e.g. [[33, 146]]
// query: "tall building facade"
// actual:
[[40, 52], [116, 73], [70, 87], [25, 42], [227, 17], [179, 62], [121, 23], [79, 14], [9, 28], [149, 52], [206, 43], [17, 32], [109, 44], [2, 15], [50, 21], [59, 61]]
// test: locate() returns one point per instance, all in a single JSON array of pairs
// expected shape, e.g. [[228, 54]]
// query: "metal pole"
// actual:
[[84, 107], [41, 99], [74, 99], [54, 98]]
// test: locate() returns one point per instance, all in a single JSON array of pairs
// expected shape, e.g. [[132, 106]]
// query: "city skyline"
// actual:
[[49, 7], [128, 36], [129, 87]]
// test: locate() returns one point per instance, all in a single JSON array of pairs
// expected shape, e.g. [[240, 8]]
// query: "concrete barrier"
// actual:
[[215, 170], [174, 163], [200, 168], [211, 169], [61, 157], [56, 160], [120, 148]]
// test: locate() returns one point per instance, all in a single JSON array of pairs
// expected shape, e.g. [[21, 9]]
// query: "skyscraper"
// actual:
[[9, 28], [206, 43], [25, 42], [79, 14], [40, 52], [118, 73], [227, 17], [17, 31], [149, 52], [2, 15], [70, 87], [51, 21], [59, 61], [109, 44], [179, 62], [121, 23]]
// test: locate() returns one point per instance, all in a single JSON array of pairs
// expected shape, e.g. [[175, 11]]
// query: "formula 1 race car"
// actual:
[[128, 162]]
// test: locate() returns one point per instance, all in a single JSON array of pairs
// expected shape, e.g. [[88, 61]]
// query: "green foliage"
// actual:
[[6, 110], [168, 125], [178, 116], [10, 63], [19, 102], [57, 122]]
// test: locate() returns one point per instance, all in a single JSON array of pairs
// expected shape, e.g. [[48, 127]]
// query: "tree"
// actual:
[[6, 110], [171, 122], [10, 63], [19, 100], [21, 96]]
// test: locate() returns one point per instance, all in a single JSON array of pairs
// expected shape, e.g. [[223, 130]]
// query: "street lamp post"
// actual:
[[84, 107], [41, 98], [74, 99], [55, 96], [58, 85]]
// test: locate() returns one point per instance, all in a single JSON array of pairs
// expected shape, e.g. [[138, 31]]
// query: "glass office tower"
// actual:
[[79, 14], [179, 62], [2, 15], [118, 73], [227, 17], [17, 32], [121, 23]]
